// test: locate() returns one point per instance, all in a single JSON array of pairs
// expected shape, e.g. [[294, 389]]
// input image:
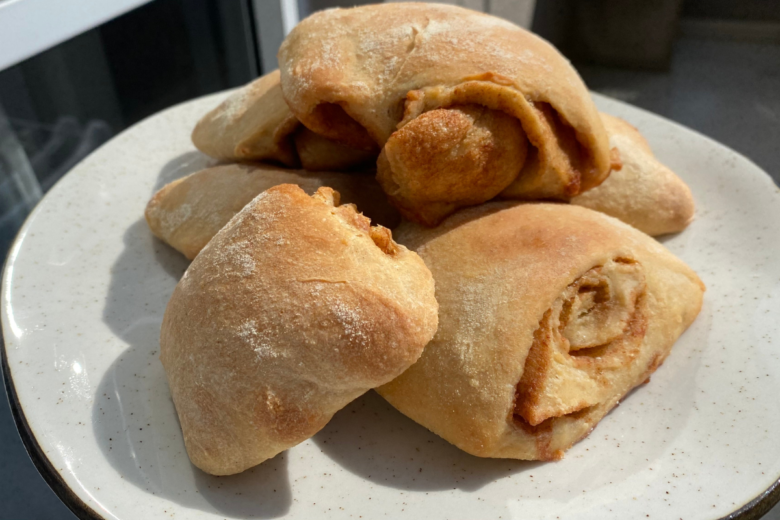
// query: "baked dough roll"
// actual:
[[643, 192], [293, 310], [254, 123], [359, 75], [449, 158], [548, 315], [188, 212]]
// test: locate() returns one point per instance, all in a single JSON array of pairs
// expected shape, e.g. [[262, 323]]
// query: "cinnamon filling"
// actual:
[[583, 343]]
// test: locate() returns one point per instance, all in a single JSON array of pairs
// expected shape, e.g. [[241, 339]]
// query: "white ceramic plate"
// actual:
[[84, 291]]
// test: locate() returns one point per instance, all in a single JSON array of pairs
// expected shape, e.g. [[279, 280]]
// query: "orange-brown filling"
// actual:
[[583, 343]]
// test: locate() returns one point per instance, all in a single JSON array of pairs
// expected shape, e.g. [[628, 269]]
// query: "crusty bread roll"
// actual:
[[295, 308], [189, 211], [643, 192], [548, 315], [359, 75], [254, 123]]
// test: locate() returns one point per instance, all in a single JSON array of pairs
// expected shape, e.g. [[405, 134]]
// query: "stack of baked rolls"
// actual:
[[511, 310]]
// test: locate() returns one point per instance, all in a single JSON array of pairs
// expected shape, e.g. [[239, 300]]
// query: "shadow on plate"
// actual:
[[373, 440], [134, 419], [181, 166]]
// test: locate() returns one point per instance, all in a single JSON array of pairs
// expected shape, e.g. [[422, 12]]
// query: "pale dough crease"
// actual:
[[188, 212], [548, 315], [295, 308]]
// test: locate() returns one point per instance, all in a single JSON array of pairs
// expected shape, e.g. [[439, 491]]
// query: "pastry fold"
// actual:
[[188, 212], [295, 308], [359, 75], [255, 124], [448, 158], [642, 192], [548, 315]]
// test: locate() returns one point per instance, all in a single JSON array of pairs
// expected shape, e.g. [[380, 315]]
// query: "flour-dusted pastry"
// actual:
[[644, 192], [548, 315], [359, 75], [294, 309], [254, 123], [188, 212]]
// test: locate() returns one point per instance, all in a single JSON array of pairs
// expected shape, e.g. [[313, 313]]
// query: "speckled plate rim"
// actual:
[[752, 510], [50, 475], [39, 459]]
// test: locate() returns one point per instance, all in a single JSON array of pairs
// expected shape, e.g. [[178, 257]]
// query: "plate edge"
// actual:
[[44, 466], [759, 506]]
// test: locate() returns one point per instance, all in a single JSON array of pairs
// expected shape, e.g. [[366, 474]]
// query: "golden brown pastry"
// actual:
[[359, 75], [448, 158], [254, 123], [643, 192], [548, 315], [293, 310], [189, 211]]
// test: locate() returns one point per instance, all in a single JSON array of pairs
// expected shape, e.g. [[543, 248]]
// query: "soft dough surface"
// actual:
[[254, 123], [548, 315], [643, 192], [293, 310], [188, 212]]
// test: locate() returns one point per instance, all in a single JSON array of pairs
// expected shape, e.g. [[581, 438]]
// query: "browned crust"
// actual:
[[448, 158]]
